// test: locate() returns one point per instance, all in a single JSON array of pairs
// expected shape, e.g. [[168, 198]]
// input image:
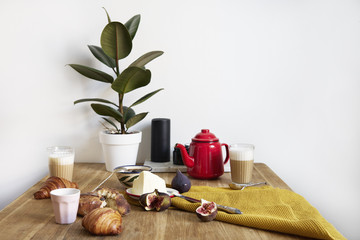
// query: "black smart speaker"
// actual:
[[160, 140]]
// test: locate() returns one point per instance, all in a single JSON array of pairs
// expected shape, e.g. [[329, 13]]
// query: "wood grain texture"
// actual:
[[27, 218]]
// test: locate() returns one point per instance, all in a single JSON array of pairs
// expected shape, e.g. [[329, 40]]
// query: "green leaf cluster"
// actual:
[[116, 44]]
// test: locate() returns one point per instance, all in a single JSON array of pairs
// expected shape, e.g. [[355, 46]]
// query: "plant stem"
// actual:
[[121, 109], [121, 97]]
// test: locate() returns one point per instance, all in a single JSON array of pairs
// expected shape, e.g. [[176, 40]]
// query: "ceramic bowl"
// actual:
[[128, 173]]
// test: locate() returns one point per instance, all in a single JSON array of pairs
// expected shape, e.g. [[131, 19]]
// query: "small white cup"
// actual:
[[65, 202]]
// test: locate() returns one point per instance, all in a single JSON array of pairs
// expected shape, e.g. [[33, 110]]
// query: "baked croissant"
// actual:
[[53, 183], [103, 221], [90, 201], [103, 197], [114, 200]]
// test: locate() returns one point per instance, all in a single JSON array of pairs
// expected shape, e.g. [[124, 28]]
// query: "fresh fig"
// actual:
[[206, 211], [155, 201], [181, 182]]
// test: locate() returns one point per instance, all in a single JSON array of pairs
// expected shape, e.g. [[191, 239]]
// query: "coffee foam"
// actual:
[[239, 153]]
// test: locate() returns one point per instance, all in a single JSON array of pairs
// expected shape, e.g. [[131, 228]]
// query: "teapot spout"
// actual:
[[188, 161]]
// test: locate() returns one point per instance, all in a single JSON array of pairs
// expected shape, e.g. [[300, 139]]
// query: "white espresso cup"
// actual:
[[61, 161], [241, 162], [65, 202]]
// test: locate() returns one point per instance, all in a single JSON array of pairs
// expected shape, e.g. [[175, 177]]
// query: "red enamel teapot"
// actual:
[[205, 158]]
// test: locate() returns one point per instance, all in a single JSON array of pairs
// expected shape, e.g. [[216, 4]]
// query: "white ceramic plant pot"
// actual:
[[120, 149]]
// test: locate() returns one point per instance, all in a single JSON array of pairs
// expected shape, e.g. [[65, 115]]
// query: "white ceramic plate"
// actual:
[[169, 191]]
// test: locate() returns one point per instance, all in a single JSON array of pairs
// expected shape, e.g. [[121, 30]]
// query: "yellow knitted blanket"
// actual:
[[265, 208]]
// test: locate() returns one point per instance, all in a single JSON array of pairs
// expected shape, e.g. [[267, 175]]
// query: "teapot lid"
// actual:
[[205, 136]]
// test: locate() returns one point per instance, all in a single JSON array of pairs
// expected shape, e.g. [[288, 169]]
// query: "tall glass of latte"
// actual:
[[241, 162], [61, 161]]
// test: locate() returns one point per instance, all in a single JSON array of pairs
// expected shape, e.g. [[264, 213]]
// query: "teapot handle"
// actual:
[[227, 152]]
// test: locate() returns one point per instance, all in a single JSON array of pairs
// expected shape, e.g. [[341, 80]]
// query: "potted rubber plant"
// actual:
[[119, 144]]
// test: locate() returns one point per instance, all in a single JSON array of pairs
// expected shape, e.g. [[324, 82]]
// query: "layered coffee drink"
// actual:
[[241, 162], [61, 162]]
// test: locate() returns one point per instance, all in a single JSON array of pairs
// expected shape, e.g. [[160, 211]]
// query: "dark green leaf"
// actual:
[[92, 73], [127, 184], [132, 25], [132, 179], [116, 41], [111, 123], [147, 57], [101, 56], [108, 17], [128, 113], [146, 97], [105, 110], [135, 119], [94, 100], [130, 79], [124, 178]]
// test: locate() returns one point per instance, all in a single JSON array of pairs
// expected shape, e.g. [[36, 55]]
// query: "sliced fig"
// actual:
[[181, 182], [156, 200], [206, 211]]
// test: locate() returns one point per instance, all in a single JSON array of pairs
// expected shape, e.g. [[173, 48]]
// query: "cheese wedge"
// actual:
[[147, 182]]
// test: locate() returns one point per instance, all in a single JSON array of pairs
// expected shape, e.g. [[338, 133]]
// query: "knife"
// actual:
[[220, 207]]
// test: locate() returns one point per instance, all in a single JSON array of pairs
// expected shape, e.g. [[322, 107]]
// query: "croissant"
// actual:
[[115, 200], [90, 201], [53, 183], [103, 197], [103, 221]]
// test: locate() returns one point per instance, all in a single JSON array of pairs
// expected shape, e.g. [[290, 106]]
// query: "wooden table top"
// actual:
[[27, 218]]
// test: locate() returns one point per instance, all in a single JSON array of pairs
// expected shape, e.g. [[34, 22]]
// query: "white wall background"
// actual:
[[281, 74]]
